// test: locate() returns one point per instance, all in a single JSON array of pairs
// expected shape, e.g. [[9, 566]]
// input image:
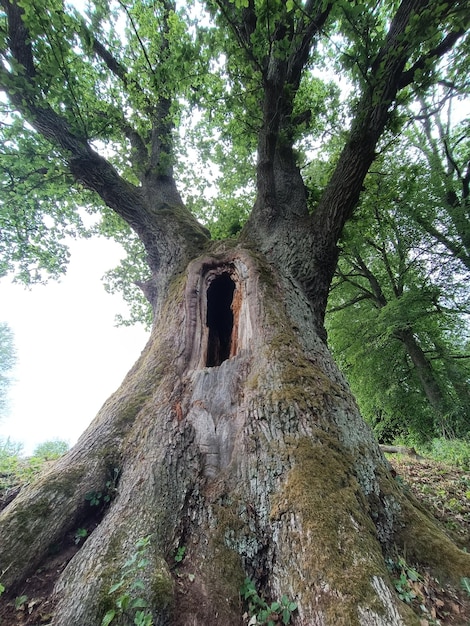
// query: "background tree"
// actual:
[[50, 450], [417, 202], [441, 156], [397, 319], [234, 435]]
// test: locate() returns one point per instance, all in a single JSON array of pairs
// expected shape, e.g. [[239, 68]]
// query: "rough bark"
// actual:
[[260, 466], [304, 246]]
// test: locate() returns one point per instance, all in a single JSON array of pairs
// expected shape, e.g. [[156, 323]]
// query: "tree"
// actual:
[[50, 450], [395, 315], [234, 436], [443, 167], [7, 361]]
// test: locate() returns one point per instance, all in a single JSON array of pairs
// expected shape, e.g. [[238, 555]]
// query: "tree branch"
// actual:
[[165, 243], [20, 45], [348, 304], [299, 57], [373, 112], [243, 28], [445, 46], [117, 68], [136, 32]]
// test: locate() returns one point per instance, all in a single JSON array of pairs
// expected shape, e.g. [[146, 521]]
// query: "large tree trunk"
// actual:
[[236, 437], [426, 376]]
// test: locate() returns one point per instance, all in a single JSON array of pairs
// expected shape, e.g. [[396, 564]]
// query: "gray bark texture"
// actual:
[[260, 466]]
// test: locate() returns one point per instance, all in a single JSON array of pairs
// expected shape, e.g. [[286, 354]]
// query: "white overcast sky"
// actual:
[[70, 354]]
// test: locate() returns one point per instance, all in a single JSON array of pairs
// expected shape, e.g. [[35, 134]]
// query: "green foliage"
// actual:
[[80, 534], [128, 602], [160, 57], [180, 554], [103, 498], [20, 601], [50, 450], [405, 576], [115, 76], [396, 318], [14, 469], [131, 271], [263, 613], [439, 144], [452, 451], [38, 206]]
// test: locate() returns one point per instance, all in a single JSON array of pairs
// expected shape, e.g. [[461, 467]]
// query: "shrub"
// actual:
[[452, 451], [50, 450]]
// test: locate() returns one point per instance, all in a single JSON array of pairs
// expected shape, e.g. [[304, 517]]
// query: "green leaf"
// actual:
[[142, 619], [143, 542], [139, 603], [108, 618], [123, 601], [20, 600], [465, 584], [413, 575], [131, 560], [138, 584], [116, 586]]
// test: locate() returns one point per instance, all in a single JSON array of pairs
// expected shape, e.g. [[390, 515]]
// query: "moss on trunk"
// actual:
[[259, 466]]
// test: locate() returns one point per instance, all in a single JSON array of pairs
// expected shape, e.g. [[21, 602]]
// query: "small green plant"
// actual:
[[407, 575], [179, 556], [20, 601], [98, 498], [451, 451], [80, 533], [128, 602], [94, 498], [2, 589], [260, 612], [465, 584]]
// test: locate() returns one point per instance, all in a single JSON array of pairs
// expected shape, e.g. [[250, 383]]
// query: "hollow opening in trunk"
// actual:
[[219, 319]]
